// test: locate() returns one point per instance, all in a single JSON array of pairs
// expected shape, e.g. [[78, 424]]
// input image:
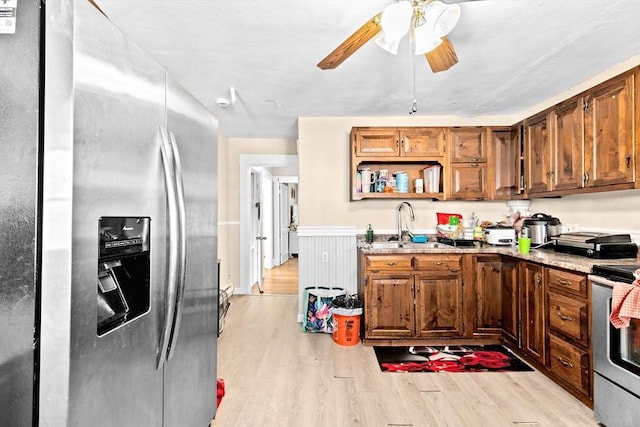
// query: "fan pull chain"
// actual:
[[412, 71]]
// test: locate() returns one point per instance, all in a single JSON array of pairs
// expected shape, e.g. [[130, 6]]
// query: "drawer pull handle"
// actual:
[[563, 317], [438, 263], [564, 362], [564, 282], [391, 263]]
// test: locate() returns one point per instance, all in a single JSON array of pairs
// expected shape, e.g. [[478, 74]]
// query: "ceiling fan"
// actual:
[[426, 21]]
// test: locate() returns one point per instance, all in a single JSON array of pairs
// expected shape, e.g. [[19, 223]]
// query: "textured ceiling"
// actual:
[[513, 54]]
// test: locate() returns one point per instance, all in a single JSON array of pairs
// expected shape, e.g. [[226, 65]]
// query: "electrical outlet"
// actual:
[[325, 256]]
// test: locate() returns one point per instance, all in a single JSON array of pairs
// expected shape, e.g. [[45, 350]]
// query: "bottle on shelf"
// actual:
[[370, 234]]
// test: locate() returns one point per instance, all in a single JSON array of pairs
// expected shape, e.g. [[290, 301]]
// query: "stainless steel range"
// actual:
[[616, 352]]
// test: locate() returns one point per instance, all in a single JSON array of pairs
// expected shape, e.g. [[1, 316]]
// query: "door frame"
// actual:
[[247, 162]]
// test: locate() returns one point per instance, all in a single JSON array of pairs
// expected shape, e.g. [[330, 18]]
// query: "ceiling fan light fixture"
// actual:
[[441, 17], [425, 39], [388, 44], [396, 20]]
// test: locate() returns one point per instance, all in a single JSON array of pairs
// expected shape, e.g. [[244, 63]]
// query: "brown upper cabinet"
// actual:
[[375, 142], [609, 133], [505, 153], [394, 142], [537, 148], [583, 144], [423, 142], [587, 143], [468, 164], [468, 145], [568, 145]]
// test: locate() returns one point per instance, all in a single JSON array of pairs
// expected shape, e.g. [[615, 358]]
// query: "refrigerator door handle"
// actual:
[[182, 236], [173, 245]]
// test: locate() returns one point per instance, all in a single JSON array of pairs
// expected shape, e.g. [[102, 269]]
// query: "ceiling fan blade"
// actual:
[[352, 43], [443, 57]]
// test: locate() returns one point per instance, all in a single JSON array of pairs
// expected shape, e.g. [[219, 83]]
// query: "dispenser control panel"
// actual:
[[124, 271]]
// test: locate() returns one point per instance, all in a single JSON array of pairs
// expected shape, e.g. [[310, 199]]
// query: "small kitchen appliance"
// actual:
[[596, 245], [542, 227], [500, 235]]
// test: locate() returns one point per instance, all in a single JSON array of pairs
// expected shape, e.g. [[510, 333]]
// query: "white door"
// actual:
[[283, 195], [257, 234]]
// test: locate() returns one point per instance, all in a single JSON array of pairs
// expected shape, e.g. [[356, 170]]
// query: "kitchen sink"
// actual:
[[408, 245], [387, 245]]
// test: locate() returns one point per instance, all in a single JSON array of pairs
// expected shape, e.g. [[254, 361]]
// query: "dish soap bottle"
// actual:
[[370, 234]]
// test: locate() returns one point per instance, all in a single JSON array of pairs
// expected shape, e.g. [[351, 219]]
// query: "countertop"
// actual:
[[540, 256]]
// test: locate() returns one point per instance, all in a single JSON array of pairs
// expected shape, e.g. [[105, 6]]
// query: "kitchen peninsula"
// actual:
[[538, 304]]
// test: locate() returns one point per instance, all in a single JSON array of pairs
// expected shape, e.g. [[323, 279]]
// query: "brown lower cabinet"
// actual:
[[540, 312], [532, 311], [412, 296]]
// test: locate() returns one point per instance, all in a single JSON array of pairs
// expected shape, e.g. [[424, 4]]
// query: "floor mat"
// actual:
[[465, 358]]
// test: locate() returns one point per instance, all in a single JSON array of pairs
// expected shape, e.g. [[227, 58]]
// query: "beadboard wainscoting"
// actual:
[[327, 258]]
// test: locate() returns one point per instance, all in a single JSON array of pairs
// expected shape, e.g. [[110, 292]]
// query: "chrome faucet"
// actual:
[[399, 217]]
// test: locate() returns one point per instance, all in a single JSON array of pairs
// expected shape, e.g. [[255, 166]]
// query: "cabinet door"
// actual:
[[423, 142], [568, 145], [388, 306], [468, 145], [488, 297], [439, 306], [609, 133], [374, 142], [468, 181], [537, 165], [510, 302], [505, 159], [532, 311]]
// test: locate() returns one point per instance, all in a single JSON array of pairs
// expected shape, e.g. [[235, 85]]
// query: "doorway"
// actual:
[[265, 170], [280, 280]]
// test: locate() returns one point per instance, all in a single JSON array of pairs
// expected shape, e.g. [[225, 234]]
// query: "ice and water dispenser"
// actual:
[[124, 271]]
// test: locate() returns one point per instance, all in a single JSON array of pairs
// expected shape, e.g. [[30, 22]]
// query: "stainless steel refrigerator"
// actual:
[[108, 224]]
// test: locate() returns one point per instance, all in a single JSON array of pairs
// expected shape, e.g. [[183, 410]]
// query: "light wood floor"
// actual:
[[280, 280], [277, 375]]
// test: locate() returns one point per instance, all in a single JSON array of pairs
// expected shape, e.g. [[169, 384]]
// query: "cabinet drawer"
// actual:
[[570, 363], [570, 282], [569, 316], [437, 264], [389, 263]]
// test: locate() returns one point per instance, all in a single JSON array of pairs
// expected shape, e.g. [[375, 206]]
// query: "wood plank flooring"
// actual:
[[277, 375], [280, 280]]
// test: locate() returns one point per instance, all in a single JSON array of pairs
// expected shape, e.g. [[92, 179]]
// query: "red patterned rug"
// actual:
[[467, 358]]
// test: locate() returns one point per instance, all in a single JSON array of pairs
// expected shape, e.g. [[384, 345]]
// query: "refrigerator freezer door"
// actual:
[[102, 159], [19, 126], [193, 363]]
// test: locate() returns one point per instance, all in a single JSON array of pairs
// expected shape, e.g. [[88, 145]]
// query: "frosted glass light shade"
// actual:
[[396, 19], [425, 39], [390, 45], [441, 17]]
